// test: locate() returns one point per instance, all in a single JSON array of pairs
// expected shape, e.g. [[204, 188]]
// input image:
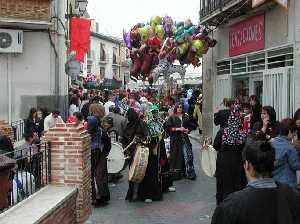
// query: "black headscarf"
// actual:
[[135, 126], [133, 121]]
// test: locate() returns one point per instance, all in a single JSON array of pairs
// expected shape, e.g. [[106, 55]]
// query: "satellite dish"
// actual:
[[5, 40]]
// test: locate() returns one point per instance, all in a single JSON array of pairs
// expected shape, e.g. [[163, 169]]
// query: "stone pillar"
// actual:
[[7, 130], [70, 163]]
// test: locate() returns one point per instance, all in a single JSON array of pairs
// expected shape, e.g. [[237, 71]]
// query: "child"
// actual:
[[247, 117]]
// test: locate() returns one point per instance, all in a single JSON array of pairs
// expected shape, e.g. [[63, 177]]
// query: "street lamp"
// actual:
[[82, 4]]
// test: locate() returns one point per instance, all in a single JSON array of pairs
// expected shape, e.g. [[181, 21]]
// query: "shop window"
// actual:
[[115, 73], [280, 58], [256, 62], [239, 65], [223, 68]]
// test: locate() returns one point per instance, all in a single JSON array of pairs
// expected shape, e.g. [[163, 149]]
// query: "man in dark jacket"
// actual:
[[263, 201]]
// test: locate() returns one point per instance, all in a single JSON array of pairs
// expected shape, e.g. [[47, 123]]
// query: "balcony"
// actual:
[[213, 12], [25, 14], [38, 10]]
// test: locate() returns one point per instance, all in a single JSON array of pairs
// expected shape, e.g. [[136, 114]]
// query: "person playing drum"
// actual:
[[136, 133]]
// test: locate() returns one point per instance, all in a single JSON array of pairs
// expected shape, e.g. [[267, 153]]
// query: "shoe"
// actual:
[[172, 189], [148, 200]]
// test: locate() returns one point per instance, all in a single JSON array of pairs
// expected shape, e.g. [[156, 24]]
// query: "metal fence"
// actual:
[[208, 7], [18, 127], [32, 171]]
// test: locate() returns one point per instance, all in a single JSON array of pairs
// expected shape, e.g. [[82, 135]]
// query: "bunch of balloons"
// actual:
[[163, 39]]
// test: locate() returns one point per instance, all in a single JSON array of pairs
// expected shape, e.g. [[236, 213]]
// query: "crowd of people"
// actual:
[[257, 155], [134, 119], [256, 166]]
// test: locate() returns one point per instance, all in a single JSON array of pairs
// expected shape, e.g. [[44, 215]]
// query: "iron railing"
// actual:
[[32, 171], [209, 7], [18, 128]]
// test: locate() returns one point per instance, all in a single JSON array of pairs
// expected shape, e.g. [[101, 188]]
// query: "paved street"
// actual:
[[193, 203]]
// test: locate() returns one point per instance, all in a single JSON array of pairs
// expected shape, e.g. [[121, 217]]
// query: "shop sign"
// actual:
[[247, 36]]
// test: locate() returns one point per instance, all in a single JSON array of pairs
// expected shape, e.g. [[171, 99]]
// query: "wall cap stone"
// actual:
[[30, 210]]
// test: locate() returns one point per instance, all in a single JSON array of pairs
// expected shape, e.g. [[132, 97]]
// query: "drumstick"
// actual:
[[128, 146]]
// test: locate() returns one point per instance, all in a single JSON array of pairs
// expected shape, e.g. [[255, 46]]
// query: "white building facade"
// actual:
[[107, 60], [34, 77]]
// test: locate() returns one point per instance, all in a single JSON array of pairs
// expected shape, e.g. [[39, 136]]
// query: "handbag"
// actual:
[[208, 159]]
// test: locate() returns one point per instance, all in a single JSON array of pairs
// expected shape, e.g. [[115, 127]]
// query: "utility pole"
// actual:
[[61, 79]]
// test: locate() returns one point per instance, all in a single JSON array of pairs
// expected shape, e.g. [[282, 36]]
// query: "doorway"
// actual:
[[246, 85]]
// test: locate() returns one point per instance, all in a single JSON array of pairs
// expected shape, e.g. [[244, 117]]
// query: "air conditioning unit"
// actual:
[[11, 41]]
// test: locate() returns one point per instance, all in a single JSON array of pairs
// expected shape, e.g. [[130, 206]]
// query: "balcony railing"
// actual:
[[18, 128], [214, 11], [31, 173]]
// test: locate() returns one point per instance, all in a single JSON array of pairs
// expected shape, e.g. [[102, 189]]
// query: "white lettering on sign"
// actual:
[[254, 32]]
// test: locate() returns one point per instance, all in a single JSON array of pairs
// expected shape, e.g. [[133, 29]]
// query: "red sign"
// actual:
[[247, 36]]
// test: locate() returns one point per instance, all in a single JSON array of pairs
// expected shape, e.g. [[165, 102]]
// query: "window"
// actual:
[[115, 55], [115, 73], [102, 73], [89, 68], [280, 58], [239, 65], [256, 62], [102, 52], [223, 68]]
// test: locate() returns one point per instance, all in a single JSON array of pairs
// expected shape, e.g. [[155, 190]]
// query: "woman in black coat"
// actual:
[[256, 110], [32, 123], [268, 127], [136, 129], [181, 158], [229, 166]]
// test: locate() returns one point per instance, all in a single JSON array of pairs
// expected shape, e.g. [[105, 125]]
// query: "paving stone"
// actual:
[[192, 203]]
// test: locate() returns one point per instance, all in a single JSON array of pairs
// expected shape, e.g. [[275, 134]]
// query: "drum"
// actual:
[[139, 165], [115, 159]]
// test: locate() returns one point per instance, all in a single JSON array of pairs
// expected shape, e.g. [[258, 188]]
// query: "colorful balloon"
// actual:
[[127, 39], [197, 45], [155, 21], [168, 26], [160, 32], [182, 41], [144, 33]]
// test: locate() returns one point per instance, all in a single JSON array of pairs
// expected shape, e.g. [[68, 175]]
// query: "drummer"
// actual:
[[136, 129]]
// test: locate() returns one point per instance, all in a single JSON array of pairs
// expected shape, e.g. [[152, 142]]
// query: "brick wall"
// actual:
[[70, 163], [25, 9], [64, 214], [6, 129]]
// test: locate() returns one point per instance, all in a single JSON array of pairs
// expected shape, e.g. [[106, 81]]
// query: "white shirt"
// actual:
[[51, 121], [73, 108], [107, 105]]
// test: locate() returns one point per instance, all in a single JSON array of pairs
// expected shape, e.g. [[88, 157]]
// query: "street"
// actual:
[[192, 203]]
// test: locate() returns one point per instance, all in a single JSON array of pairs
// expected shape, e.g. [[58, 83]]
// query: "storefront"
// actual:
[[253, 70]]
